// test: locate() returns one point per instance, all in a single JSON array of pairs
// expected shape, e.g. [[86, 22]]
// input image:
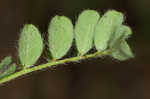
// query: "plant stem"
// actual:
[[50, 64]]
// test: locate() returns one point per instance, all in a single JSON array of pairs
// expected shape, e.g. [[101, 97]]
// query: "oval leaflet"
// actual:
[[84, 30], [60, 36], [106, 26], [30, 45]]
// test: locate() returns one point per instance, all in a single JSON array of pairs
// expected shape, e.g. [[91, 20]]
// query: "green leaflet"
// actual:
[[106, 26], [5, 62], [30, 45], [9, 71], [60, 36], [118, 43], [123, 53], [122, 33], [84, 30]]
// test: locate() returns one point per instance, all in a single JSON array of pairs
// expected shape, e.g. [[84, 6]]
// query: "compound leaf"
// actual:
[[30, 45], [84, 30], [106, 26], [60, 36]]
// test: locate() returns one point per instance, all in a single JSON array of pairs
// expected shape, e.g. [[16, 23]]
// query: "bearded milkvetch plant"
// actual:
[[107, 33]]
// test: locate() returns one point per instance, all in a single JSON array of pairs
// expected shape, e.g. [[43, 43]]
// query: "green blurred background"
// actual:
[[100, 78]]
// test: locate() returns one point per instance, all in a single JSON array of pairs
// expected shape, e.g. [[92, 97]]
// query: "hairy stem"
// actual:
[[50, 64]]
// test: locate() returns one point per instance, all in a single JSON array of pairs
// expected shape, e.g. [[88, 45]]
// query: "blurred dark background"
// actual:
[[101, 78]]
